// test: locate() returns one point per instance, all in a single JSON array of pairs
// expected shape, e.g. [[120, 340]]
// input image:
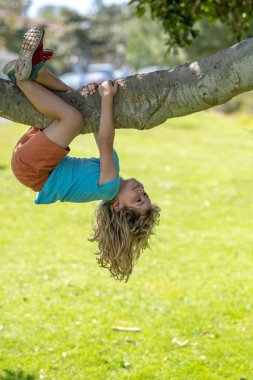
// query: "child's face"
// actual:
[[132, 195]]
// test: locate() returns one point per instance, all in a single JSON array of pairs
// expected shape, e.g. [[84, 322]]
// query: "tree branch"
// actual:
[[144, 101]]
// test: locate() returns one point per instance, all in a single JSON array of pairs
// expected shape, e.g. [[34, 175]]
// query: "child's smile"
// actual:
[[132, 195]]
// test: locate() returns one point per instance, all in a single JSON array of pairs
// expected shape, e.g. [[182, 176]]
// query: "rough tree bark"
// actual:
[[146, 100]]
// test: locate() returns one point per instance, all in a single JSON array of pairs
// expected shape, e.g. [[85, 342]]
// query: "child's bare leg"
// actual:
[[50, 81], [68, 121]]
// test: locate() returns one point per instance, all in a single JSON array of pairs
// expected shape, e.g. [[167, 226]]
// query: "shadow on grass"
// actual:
[[3, 167], [16, 375]]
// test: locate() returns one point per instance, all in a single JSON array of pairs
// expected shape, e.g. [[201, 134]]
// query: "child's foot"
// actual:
[[31, 52], [41, 58], [9, 68]]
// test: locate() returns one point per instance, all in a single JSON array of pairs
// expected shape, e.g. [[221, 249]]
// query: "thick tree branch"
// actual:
[[146, 100]]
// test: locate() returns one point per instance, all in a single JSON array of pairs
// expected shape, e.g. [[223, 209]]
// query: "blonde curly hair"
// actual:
[[122, 236]]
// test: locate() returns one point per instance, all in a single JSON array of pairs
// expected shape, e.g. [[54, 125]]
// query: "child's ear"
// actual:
[[116, 205]]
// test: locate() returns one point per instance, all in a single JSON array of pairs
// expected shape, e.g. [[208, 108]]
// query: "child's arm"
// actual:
[[95, 134], [106, 132], [91, 89]]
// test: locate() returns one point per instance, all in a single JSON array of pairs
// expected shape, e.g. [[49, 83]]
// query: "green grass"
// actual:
[[57, 307]]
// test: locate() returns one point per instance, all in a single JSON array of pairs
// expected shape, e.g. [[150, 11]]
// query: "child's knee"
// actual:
[[75, 119]]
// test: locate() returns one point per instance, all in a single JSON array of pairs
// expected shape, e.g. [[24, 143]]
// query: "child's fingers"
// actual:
[[108, 87], [116, 86], [91, 88], [94, 86]]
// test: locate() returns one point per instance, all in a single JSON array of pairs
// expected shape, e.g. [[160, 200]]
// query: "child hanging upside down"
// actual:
[[125, 216]]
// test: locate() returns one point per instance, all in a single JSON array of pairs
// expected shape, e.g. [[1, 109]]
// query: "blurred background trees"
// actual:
[[114, 34], [11, 20]]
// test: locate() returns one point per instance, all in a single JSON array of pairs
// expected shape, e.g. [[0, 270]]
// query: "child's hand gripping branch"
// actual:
[[125, 216], [106, 132]]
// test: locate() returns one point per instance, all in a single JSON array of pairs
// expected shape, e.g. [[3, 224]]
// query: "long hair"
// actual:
[[122, 236]]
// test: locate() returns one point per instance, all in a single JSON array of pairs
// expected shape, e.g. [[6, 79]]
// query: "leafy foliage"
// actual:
[[179, 17], [213, 37], [145, 44]]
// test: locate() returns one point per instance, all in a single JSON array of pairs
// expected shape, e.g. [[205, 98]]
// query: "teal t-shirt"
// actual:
[[76, 180]]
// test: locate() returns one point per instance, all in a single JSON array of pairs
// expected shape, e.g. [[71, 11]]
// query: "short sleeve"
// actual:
[[110, 189]]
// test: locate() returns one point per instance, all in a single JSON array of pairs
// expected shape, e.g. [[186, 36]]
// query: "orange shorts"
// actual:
[[34, 157]]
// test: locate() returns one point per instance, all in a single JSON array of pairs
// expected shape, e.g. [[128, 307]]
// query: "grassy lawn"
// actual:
[[191, 296]]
